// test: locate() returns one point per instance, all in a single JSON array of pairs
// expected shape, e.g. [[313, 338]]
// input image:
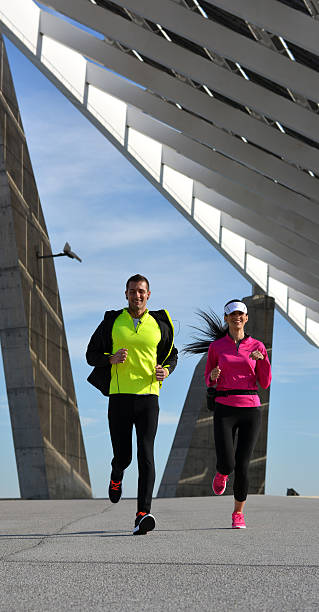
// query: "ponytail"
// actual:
[[213, 330]]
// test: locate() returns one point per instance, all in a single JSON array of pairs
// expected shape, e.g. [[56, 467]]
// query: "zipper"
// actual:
[[117, 378], [170, 350], [238, 344]]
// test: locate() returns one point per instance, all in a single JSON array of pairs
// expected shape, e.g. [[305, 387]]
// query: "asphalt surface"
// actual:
[[81, 555]]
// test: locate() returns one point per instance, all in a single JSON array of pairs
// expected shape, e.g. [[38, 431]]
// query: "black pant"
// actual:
[[228, 420], [126, 410]]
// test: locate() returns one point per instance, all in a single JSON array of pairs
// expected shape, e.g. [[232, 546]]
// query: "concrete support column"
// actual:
[[47, 436]]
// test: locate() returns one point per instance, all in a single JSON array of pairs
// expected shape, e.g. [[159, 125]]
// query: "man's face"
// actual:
[[137, 295]]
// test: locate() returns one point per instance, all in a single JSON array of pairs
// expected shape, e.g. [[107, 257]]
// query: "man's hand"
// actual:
[[215, 373], [256, 355], [119, 356], [161, 372]]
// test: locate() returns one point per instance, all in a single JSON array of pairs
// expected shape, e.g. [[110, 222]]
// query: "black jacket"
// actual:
[[101, 342]]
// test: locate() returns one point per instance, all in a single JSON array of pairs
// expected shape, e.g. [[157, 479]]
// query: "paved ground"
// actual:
[[80, 555]]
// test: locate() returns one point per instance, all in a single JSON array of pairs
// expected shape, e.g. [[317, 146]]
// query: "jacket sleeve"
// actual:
[[263, 368], [211, 363], [95, 354], [171, 361]]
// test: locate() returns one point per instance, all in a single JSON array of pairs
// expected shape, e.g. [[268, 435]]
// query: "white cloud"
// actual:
[[168, 418], [71, 157], [104, 231], [292, 364], [309, 434], [87, 421]]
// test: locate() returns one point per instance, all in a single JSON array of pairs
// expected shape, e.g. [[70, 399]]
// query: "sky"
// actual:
[[121, 225]]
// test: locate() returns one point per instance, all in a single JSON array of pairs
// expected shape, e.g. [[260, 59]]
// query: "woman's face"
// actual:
[[236, 320]]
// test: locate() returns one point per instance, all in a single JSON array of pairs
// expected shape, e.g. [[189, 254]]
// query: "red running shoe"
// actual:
[[219, 483], [238, 521]]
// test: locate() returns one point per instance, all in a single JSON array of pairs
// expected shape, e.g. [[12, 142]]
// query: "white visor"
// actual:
[[232, 306]]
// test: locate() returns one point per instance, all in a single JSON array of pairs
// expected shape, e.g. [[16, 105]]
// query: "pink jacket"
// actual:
[[237, 370]]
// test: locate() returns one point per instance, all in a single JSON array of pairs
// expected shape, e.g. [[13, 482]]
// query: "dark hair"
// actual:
[[213, 330], [136, 279]]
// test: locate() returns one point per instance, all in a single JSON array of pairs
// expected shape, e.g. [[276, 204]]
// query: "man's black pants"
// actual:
[[126, 410]]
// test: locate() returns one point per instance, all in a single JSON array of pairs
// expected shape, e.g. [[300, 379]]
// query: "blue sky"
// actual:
[[120, 225]]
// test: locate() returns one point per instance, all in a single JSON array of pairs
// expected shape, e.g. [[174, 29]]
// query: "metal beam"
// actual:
[[273, 228], [223, 115], [288, 228], [138, 165], [274, 238], [191, 66], [232, 147], [227, 43], [278, 18]]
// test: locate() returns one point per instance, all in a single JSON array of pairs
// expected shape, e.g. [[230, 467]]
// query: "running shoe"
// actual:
[[238, 521], [144, 522], [115, 491], [219, 483]]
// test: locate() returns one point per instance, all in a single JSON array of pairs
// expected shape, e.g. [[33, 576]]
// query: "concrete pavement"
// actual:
[[80, 555]]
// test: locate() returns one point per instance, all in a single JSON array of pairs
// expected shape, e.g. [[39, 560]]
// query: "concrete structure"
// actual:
[[216, 103], [192, 459], [81, 555], [47, 435]]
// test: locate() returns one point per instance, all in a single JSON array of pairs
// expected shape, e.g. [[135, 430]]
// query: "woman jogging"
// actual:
[[235, 363]]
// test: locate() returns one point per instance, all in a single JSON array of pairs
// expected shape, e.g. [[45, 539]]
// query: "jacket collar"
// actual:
[[242, 339], [142, 318]]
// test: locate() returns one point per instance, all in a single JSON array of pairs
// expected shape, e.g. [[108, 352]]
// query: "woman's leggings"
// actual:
[[126, 410], [228, 420]]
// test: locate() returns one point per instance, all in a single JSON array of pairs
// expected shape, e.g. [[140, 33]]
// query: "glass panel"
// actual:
[[257, 269], [179, 186], [279, 291], [110, 111], [297, 312], [208, 217], [234, 245], [313, 330], [23, 19], [67, 65], [147, 151]]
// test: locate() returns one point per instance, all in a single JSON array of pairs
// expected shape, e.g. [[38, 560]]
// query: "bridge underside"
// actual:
[[216, 103]]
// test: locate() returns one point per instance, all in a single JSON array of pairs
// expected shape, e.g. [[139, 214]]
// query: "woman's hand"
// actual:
[[215, 373], [256, 355], [119, 356]]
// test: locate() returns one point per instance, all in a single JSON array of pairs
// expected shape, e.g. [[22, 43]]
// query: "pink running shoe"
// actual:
[[219, 483], [238, 521]]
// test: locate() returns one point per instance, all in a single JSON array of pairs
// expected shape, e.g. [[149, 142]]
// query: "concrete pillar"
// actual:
[[50, 454], [192, 460], [189, 466], [260, 325]]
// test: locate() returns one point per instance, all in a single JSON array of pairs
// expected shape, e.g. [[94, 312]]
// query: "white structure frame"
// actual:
[[186, 113]]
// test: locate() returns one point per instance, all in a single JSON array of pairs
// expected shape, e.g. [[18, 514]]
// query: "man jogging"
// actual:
[[132, 352]]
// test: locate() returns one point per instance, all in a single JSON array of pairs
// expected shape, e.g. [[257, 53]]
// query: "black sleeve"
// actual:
[[96, 348], [171, 360]]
